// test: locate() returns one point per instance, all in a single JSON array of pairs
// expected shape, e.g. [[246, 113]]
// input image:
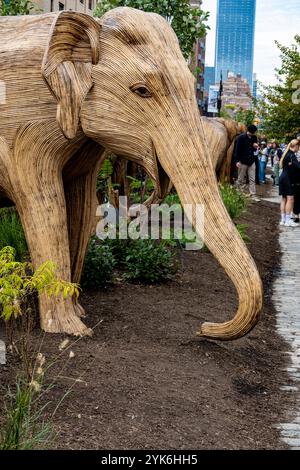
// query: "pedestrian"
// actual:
[[272, 152], [298, 153], [297, 191], [246, 145], [288, 181], [263, 160], [277, 155]]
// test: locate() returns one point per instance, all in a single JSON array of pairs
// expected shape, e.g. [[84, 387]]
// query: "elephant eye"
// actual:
[[141, 90]]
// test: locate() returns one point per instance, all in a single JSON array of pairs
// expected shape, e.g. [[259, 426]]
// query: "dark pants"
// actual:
[[296, 189], [257, 170]]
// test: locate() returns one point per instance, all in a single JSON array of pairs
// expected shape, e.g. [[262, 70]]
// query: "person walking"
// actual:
[[246, 145], [288, 181], [277, 155], [297, 190], [263, 160]]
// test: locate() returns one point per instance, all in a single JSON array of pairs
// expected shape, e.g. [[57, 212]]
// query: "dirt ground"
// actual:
[[145, 380]]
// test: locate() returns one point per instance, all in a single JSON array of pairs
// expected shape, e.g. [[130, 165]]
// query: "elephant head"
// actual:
[[125, 82]]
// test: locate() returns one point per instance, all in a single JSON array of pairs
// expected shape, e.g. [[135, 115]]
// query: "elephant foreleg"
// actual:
[[40, 199]]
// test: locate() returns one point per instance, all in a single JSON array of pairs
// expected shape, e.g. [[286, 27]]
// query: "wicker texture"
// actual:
[[76, 86]]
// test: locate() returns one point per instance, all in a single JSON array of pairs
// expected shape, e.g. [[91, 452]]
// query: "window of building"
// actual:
[[61, 6], [90, 4], [81, 1]]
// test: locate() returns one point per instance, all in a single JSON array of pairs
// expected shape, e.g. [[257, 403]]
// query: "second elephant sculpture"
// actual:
[[75, 87]]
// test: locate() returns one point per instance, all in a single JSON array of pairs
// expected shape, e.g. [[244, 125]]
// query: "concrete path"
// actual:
[[286, 298]]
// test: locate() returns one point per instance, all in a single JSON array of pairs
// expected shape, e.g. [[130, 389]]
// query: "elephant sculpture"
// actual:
[[221, 134], [76, 87]]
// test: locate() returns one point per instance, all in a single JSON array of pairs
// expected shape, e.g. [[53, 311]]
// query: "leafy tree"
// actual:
[[280, 104], [188, 22], [17, 7], [245, 116]]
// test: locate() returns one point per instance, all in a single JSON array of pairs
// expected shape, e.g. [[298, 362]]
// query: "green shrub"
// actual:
[[234, 200], [118, 248], [149, 262], [12, 233], [17, 283], [98, 265], [172, 199]]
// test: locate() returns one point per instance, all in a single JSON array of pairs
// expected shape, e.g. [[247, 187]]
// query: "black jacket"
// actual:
[[291, 167], [244, 150]]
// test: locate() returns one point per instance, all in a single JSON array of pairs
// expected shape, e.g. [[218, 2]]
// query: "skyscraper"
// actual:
[[209, 77], [235, 38]]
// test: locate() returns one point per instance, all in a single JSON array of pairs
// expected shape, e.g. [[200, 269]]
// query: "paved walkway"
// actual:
[[286, 298]]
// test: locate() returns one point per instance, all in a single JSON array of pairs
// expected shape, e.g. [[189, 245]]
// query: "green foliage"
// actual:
[[242, 229], [234, 200], [118, 249], [98, 265], [149, 262], [172, 199], [245, 116], [140, 189], [104, 177], [12, 233], [187, 22], [138, 260], [225, 114], [17, 7], [279, 109], [17, 282], [24, 428]]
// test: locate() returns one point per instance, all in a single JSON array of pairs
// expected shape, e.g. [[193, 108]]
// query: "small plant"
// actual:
[[98, 265], [149, 262], [17, 283], [234, 200], [24, 428], [12, 233], [104, 175]]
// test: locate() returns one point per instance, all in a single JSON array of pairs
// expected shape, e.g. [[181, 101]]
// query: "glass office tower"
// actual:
[[235, 38]]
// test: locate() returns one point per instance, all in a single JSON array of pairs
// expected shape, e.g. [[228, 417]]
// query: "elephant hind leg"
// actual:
[[81, 203]]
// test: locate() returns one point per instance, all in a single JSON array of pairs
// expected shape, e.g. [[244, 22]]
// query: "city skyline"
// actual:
[[235, 29], [274, 20]]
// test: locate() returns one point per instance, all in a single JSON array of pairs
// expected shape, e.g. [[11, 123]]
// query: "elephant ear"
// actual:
[[72, 50]]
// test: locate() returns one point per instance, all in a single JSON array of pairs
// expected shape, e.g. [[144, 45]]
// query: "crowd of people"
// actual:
[[251, 158]]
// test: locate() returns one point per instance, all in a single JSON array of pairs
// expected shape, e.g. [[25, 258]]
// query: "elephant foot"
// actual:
[[61, 316]]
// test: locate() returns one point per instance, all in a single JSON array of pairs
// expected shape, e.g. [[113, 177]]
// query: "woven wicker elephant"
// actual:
[[75, 87]]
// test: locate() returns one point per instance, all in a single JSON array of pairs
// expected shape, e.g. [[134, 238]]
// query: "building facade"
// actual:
[[235, 39], [236, 93], [198, 64], [83, 6], [255, 85]]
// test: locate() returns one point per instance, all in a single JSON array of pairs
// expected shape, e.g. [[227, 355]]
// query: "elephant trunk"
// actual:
[[194, 179]]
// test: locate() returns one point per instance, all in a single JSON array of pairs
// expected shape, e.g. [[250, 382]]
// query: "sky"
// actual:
[[275, 19]]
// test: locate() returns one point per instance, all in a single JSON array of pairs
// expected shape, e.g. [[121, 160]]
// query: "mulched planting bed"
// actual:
[[147, 382]]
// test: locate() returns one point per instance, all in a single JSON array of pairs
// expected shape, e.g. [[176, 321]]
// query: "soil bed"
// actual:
[[147, 382]]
